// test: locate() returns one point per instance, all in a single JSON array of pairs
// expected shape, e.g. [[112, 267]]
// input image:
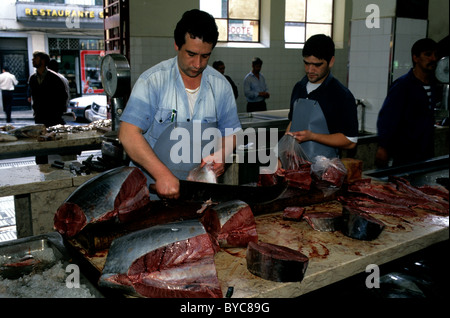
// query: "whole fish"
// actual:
[[7, 137], [30, 131], [116, 194], [164, 261]]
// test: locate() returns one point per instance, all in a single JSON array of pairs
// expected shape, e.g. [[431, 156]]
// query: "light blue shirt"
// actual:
[[160, 91], [252, 87]]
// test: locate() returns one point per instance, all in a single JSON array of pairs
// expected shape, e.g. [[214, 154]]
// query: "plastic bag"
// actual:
[[328, 174], [203, 174], [291, 154]]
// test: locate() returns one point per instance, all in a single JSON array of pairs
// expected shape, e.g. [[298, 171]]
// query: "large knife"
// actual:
[[219, 192]]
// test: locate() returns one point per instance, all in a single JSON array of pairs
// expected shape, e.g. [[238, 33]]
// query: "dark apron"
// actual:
[[308, 115], [188, 151]]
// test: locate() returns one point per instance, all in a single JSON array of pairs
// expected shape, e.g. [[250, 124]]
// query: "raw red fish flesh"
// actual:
[[231, 223], [324, 221], [293, 213], [174, 260], [370, 206], [118, 193]]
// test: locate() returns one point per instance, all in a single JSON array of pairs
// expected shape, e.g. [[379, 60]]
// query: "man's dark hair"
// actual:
[[198, 24], [216, 64], [53, 65], [257, 61], [423, 45], [5, 68], [320, 46], [43, 56]]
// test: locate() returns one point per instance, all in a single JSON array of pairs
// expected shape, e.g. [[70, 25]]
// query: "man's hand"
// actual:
[[381, 158], [301, 136], [168, 187], [217, 161]]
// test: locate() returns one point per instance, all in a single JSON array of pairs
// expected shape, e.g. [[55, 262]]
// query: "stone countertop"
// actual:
[[332, 255], [68, 143], [37, 178]]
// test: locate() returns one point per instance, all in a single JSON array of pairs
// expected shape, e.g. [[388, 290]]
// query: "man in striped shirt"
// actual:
[[406, 120]]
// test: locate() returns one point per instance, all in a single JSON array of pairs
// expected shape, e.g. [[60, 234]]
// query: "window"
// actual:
[[304, 18], [237, 20]]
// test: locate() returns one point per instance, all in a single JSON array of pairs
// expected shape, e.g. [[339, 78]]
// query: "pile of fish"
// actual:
[[174, 259], [10, 133], [396, 197], [177, 259], [98, 124], [363, 199]]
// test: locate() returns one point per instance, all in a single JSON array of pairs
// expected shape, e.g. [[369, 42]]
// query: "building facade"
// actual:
[[70, 31]]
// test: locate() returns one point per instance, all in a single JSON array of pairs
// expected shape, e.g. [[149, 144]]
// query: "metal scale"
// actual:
[[443, 77], [115, 73]]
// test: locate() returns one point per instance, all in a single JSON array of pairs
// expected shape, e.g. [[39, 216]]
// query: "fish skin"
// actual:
[[103, 198], [7, 137], [145, 263], [359, 225], [203, 174], [30, 131]]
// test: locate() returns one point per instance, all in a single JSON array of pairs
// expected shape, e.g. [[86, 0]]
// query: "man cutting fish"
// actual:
[[183, 94]]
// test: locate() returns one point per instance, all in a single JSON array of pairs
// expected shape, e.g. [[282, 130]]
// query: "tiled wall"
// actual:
[[375, 55], [369, 63]]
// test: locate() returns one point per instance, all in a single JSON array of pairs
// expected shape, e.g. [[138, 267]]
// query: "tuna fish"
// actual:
[[293, 213], [324, 221], [7, 137], [164, 261], [275, 262], [359, 225], [232, 223], [117, 194], [30, 131]]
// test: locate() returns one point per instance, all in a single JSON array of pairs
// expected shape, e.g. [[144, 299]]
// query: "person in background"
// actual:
[[255, 88], [220, 66], [323, 113], [48, 95], [54, 66], [7, 83], [178, 93], [406, 120]]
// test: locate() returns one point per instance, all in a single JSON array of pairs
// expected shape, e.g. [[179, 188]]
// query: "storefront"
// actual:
[[71, 34]]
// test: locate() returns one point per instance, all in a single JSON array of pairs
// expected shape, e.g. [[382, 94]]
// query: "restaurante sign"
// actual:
[[50, 13]]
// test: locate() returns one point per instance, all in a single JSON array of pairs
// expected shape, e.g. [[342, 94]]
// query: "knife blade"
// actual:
[[202, 191]]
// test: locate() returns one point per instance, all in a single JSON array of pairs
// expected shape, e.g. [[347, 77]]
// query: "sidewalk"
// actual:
[[17, 116]]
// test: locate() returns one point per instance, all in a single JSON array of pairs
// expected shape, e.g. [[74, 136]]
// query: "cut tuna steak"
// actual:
[[276, 263], [232, 223], [171, 260], [324, 221], [293, 213], [359, 225], [118, 193]]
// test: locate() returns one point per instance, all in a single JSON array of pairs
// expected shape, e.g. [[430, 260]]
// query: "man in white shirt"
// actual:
[[7, 83]]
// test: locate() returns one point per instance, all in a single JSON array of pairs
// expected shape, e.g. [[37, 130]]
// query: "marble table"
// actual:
[[69, 143], [332, 255], [38, 191]]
